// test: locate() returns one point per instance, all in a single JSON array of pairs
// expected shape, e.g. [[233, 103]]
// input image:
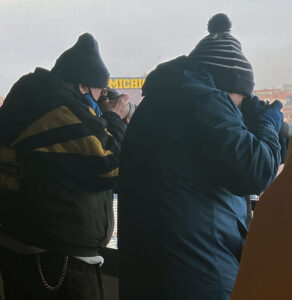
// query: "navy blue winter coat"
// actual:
[[187, 162]]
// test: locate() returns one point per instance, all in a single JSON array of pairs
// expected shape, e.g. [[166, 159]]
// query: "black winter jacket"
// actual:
[[59, 164], [187, 162]]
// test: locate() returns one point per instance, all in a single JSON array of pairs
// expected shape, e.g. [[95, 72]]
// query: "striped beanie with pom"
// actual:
[[222, 56]]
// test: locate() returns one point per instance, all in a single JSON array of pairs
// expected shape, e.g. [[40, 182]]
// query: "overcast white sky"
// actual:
[[136, 35]]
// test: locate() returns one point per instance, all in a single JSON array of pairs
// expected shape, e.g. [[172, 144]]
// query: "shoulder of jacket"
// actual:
[[205, 91]]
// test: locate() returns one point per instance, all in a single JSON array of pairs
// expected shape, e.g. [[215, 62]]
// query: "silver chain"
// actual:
[[62, 277]]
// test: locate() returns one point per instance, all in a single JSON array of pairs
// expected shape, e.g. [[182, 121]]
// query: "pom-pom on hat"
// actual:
[[222, 56], [219, 23], [83, 64]]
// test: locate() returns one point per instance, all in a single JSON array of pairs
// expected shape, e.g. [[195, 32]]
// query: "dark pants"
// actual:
[[22, 280]]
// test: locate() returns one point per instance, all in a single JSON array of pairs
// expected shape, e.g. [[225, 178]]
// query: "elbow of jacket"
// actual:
[[257, 182], [251, 188], [261, 182]]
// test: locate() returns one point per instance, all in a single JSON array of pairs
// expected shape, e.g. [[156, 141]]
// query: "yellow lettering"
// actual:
[[134, 84], [141, 82], [121, 84], [126, 83], [113, 84]]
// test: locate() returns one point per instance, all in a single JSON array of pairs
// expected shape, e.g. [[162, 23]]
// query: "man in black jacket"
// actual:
[[59, 161], [188, 160]]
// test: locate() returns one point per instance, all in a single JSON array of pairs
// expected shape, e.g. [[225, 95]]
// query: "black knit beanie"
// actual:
[[222, 56], [83, 64]]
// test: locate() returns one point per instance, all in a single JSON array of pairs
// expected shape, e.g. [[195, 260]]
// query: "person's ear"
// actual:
[[83, 88]]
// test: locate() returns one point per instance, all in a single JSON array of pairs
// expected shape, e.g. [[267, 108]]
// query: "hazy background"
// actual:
[[136, 35]]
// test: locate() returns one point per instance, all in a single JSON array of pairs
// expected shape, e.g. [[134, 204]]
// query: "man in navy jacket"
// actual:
[[188, 161]]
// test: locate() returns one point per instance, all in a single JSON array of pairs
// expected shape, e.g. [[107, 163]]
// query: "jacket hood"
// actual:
[[176, 76]]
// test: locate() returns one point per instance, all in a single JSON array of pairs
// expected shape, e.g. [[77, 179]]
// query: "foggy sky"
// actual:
[[135, 35]]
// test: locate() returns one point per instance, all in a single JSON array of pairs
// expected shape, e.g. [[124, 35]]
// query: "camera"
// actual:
[[110, 94]]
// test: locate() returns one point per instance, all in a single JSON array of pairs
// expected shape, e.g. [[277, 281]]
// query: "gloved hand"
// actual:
[[251, 108], [273, 115]]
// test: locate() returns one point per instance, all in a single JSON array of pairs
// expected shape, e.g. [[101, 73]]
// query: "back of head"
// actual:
[[83, 64], [222, 56]]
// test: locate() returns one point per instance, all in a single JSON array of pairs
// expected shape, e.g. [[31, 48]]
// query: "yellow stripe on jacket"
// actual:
[[56, 118], [89, 145], [113, 173]]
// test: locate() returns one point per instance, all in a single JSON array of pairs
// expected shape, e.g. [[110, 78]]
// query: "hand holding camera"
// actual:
[[255, 110], [251, 108], [273, 115], [117, 105], [112, 100]]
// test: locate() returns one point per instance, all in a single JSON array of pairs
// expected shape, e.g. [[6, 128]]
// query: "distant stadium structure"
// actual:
[[282, 94]]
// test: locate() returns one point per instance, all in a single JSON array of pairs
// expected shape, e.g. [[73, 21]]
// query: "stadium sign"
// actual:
[[126, 82]]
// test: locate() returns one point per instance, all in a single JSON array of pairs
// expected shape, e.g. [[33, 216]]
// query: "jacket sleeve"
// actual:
[[243, 162], [115, 126]]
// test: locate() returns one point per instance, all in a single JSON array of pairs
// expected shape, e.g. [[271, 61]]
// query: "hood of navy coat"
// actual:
[[176, 76]]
